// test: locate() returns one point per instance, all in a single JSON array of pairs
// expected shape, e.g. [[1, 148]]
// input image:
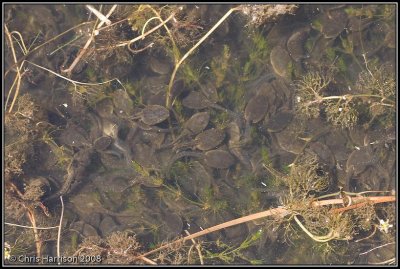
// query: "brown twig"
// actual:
[[365, 201], [38, 241], [148, 261], [281, 212], [278, 212]]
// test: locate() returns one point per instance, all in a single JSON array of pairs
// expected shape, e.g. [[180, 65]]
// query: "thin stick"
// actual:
[[375, 199], [142, 49], [31, 227], [38, 242], [21, 43], [98, 14], [227, 14], [271, 212], [10, 91], [59, 231], [369, 236], [279, 212], [73, 81], [147, 260], [366, 252]]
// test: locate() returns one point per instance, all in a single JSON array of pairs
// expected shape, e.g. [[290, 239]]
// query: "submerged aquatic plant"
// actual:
[[306, 176], [376, 94], [219, 66], [20, 130], [230, 254]]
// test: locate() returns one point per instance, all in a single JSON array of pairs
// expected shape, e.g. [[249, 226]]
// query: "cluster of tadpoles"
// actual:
[[345, 202]]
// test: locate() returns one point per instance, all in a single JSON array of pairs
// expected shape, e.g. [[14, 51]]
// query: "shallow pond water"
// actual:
[[270, 105]]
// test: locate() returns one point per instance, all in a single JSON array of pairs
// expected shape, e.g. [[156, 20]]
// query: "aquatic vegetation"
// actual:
[[219, 66], [307, 175], [191, 75], [375, 86], [20, 132], [127, 163], [341, 113], [180, 168], [62, 153], [232, 254], [371, 11], [220, 119], [265, 155], [210, 202], [233, 96], [259, 51], [119, 247], [20, 246], [309, 93]]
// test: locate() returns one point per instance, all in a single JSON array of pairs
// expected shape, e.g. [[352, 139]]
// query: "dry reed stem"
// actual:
[[38, 242], [21, 43], [148, 261], [59, 231], [30, 227], [389, 261], [99, 15], [271, 212], [373, 200], [74, 81], [278, 212], [358, 199]]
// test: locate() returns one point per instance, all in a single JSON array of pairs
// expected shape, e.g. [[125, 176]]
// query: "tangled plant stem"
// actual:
[[318, 238]]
